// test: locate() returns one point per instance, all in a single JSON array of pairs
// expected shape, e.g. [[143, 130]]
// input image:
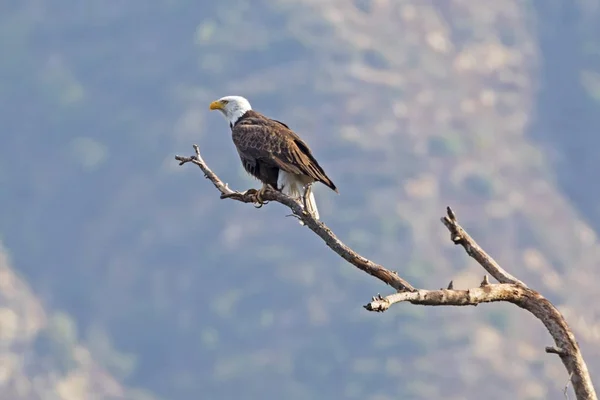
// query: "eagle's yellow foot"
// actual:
[[259, 195], [251, 192]]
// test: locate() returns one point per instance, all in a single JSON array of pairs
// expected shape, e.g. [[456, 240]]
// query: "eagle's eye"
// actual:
[[225, 102]]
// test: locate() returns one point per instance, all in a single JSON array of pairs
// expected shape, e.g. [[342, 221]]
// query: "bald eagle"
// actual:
[[273, 153]]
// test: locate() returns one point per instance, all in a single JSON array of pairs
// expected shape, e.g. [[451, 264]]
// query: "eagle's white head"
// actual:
[[232, 107]]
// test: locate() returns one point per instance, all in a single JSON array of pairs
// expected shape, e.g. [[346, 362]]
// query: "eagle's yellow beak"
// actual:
[[216, 105]]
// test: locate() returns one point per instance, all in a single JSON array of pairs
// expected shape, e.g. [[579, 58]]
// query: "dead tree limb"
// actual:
[[509, 289], [566, 347], [389, 277]]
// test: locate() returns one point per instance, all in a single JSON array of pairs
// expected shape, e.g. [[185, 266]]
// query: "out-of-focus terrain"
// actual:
[[123, 276]]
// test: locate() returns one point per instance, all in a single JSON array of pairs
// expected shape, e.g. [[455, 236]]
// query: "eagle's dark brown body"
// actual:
[[267, 146]]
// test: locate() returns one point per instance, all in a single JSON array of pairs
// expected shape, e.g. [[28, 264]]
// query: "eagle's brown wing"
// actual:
[[264, 144]]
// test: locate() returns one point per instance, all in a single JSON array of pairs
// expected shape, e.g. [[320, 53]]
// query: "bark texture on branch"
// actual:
[[459, 236], [567, 347], [389, 277], [510, 289]]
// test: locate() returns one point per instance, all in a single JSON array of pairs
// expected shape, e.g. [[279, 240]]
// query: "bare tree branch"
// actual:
[[389, 277], [567, 347], [445, 297], [510, 289], [459, 236]]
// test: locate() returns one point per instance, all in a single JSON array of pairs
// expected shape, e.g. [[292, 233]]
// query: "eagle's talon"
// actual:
[[259, 196], [259, 201]]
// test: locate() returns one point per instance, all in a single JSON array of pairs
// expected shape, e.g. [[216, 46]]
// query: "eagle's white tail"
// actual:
[[311, 204], [293, 187]]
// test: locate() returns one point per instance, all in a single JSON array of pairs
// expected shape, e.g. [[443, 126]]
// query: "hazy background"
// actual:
[[123, 276]]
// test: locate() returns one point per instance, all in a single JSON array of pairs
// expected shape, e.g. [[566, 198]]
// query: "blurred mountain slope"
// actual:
[[410, 105], [41, 356]]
